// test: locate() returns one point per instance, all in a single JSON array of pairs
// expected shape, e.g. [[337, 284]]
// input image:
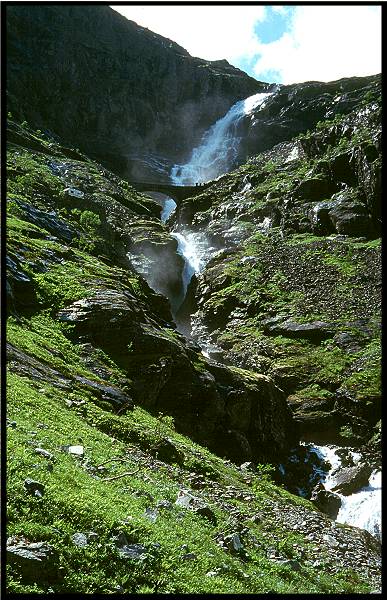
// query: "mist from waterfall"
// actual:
[[218, 150]]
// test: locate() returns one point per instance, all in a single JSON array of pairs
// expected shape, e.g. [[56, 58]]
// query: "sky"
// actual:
[[274, 43]]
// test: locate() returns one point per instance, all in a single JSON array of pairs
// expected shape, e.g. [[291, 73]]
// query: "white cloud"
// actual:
[[325, 43], [322, 42], [208, 31]]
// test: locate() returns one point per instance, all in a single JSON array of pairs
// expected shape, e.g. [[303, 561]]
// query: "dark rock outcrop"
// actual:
[[315, 331], [115, 89], [296, 108], [236, 414], [326, 501]]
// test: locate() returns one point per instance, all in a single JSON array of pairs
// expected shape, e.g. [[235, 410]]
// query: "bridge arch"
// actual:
[[177, 192]]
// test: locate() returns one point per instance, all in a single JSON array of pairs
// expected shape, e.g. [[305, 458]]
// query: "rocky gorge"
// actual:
[[192, 396]]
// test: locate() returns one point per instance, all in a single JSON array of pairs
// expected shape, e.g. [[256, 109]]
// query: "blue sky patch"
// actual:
[[274, 25]]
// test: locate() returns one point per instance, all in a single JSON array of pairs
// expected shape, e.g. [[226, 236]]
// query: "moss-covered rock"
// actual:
[[296, 292]]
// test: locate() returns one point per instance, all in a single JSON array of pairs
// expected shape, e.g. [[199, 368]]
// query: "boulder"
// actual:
[[79, 539], [133, 551], [326, 501], [316, 331], [233, 543], [167, 451], [35, 488], [190, 502], [351, 479], [35, 560], [351, 217]]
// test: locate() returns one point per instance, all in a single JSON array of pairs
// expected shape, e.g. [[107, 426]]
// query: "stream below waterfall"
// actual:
[[362, 508], [215, 155]]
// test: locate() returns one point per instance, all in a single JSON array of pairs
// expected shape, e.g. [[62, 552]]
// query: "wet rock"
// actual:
[[35, 488], [351, 479], [36, 560], [326, 501]]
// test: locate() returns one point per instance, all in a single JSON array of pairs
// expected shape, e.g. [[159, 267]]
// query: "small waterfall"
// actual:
[[169, 205], [361, 509], [219, 147], [195, 250]]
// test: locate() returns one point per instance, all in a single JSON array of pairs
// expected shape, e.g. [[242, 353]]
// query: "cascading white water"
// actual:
[[219, 147], [169, 205], [214, 156], [361, 509], [195, 250]]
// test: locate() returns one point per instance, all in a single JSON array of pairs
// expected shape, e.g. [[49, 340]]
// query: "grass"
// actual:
[[75, 500]]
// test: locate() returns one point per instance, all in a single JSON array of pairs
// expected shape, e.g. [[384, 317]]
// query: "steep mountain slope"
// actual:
[[120, 430], [95, 480], [120, 92], [295, 292]]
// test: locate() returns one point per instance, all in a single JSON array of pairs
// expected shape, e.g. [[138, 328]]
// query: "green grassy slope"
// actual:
[[65, 390]]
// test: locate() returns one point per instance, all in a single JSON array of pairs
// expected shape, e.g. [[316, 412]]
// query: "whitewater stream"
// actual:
[[361, 509]]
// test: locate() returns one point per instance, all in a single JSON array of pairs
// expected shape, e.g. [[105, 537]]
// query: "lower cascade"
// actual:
[[361, 508]]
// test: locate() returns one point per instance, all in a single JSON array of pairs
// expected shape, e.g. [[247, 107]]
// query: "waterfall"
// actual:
[[215, 155], [195, 250], [361, 509], [219, 147], [169, 206]]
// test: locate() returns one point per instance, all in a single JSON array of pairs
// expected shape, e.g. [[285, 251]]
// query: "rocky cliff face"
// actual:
[[295, 290], [118, 91], [74, 205], [294, 109]]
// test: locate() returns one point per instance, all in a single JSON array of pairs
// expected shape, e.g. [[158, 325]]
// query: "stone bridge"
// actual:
[[177, 192]]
